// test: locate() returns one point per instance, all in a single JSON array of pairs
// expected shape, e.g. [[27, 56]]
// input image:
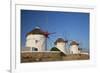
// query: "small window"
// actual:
[[36, 41], [34, 49]]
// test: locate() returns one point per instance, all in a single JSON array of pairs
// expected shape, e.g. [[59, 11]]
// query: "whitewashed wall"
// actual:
[[61, 46], [74, 49], [40, 44]]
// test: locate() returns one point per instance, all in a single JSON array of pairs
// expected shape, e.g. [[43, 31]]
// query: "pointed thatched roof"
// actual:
[[37, 30], [60, 40], [74, 43]]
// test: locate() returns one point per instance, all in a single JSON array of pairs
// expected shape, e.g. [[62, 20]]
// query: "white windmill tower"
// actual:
[[74, 47], [60, 43], [36, 39]]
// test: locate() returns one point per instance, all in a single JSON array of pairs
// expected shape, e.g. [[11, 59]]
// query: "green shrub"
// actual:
[[54, 49]]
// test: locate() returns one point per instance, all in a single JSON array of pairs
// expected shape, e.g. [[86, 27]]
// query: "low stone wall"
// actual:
[[50, 56], [76, 57], [40, 56]]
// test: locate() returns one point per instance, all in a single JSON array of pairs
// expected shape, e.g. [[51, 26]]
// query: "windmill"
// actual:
[[38, 37], [75, 42]]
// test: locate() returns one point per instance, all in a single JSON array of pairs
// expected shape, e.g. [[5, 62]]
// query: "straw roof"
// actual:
[[60, 40], [37, 30], [74, 43]]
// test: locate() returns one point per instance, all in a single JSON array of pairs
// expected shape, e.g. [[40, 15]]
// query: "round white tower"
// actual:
[[36, 39], [61, 45], [74, 47]]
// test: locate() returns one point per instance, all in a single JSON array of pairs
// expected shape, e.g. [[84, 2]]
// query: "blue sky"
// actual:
[[68, 25]]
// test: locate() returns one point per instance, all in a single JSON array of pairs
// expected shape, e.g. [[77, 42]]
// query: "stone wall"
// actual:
[[50, 56], [76, 57]]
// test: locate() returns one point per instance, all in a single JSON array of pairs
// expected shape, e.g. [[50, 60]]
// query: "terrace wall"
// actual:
[[50, 56]]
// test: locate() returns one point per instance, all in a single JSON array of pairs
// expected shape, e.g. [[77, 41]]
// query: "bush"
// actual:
[[54, 49]]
